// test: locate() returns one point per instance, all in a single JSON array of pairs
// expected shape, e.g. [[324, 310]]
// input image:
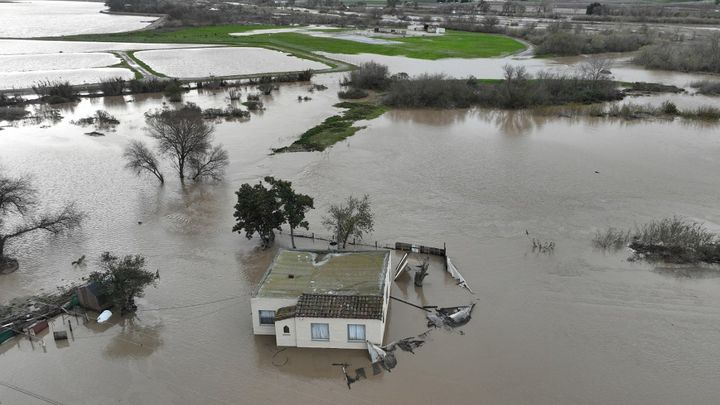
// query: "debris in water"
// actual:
[[421, 272], [104, 316], [451, 317], [94, 133], [402, 264], [454, 273]]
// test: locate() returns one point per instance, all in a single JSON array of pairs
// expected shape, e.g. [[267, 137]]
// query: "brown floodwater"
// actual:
[[576, 326]]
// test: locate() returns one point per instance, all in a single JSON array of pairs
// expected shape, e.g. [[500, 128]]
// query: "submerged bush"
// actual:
[[12, 113], [151, 85], [612, 238], [101, 119], [370, 76], [55, 92], [674, 240], [112, 87], [707, 87]]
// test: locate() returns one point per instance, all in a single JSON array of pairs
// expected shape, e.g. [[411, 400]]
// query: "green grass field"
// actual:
[[453, 44]]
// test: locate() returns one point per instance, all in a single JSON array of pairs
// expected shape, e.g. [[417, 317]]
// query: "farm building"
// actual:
[[324, 299]]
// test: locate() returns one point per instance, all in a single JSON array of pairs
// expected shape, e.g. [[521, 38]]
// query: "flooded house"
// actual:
[[324, 299]]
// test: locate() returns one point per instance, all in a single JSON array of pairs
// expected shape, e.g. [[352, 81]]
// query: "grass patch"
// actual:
[[335, 128], [454, 44]]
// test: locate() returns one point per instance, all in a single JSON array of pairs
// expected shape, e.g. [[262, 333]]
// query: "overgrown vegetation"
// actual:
[[55, 92], [13, 113], [707, 87], [568, 39], [335, 128], [693, 56], [123, 279], [633, 111], [151, 85], [101, 120], [112, 87], [672, 240]]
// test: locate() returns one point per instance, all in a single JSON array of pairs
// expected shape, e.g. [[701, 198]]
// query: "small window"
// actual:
[[286, 329], [319, 331], [356, 333], [267, 317]]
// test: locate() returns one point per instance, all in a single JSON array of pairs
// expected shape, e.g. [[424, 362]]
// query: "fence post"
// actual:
[[313, 236], [375, 245]]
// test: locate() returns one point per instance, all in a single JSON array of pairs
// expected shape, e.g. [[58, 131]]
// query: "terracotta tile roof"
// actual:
[[338, 306]]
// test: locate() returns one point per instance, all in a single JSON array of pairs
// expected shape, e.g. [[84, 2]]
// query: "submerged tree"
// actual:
[[18, 201], [353, 218], [123, 279], [186, 138], [258, 210], [141, 159], [294, 205]]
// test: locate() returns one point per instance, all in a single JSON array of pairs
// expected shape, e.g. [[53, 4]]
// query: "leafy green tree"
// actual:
[[294, 205], [123, 279], [258, 210], [352, 218]]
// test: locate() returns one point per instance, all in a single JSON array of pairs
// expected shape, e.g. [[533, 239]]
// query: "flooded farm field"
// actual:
[[27, 19], [575, 326], [188, 63]]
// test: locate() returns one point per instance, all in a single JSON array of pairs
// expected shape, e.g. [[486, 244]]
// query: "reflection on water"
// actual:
[[577, 326]]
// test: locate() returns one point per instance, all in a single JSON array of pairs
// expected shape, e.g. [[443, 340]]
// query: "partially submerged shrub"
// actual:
[[612, 238], [253, 105], [152, 85], [229, 113], [707, 87], [173, 91], [370, 76], [101, 119], [9, 100], [12, 113], [55, 92], [112, 87], [668, 107]]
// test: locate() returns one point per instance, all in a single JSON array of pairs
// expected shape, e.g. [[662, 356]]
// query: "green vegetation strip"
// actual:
[[335, 128], [453, 44]]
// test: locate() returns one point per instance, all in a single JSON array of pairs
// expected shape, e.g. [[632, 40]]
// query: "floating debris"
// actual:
[[104, 316], [94, 133], [401, 266], [450, 317], [421, 272], [454, 273]]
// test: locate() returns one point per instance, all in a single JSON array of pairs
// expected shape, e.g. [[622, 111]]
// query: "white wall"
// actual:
[[285, 339], [269, 304], [374, 330]]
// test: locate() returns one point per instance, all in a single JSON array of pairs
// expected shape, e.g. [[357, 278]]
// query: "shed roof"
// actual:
[[294, 273]]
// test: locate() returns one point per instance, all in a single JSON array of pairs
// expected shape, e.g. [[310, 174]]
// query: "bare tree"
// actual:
[[595, 68], [209, 164], [141, 159], [17, 201], [353, 218], [182, 133]]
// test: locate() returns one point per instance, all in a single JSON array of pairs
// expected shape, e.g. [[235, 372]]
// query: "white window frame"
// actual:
[[260, 317], [312, 327], [356, 325]]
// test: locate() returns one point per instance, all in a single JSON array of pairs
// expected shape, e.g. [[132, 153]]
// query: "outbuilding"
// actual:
[[324, 299]]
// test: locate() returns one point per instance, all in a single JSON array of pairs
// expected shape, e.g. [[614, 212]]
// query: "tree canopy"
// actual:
[[258, 210], [294, 205], [123, 279], [351, 218]]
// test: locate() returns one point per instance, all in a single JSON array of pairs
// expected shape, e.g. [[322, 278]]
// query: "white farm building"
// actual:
[[324, 299]]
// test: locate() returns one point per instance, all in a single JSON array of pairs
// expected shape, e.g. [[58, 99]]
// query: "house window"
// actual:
[[319, 331], [356, 333], [267, 317], [286, 330]]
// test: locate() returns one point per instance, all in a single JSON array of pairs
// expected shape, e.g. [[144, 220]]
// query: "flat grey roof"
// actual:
[[294, 273]]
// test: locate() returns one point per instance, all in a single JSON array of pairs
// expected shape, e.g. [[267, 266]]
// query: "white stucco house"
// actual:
[[324, 299]]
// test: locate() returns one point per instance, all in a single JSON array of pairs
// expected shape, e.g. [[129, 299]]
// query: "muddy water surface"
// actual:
[[577, 326], [27, 19]]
